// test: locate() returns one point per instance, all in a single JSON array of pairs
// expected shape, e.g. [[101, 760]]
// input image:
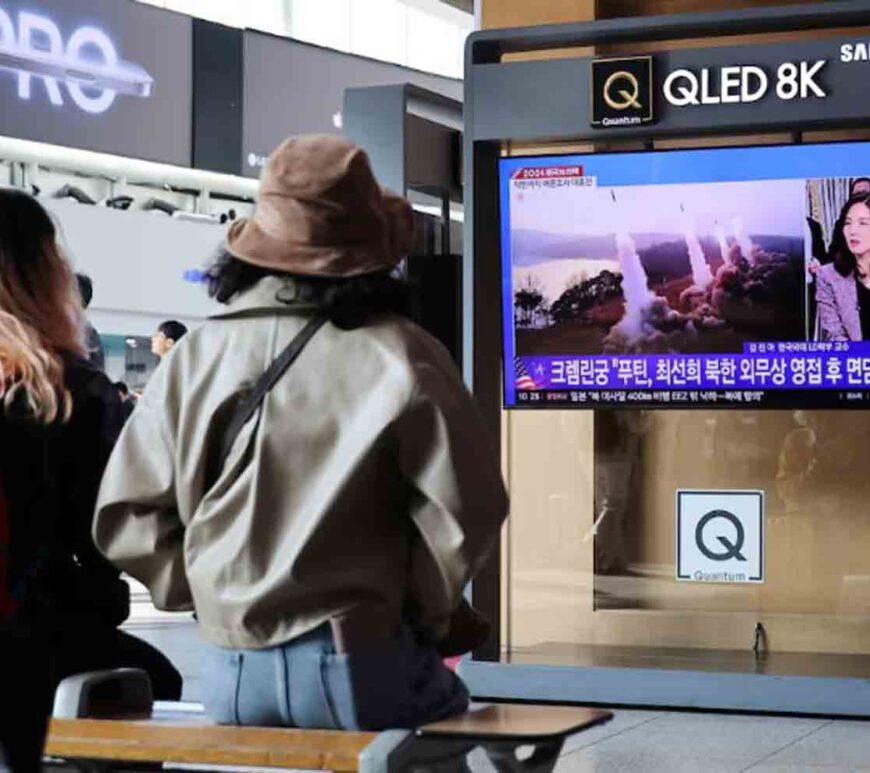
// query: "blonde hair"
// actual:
[[40, 310], [30, 372]]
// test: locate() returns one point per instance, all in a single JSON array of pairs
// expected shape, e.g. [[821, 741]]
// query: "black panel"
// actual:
[[297, 88], [431, 156], [374, 118], [482, 344], [436, 281], [218, 72]]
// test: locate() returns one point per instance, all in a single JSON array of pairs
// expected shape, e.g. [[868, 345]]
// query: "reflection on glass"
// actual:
[[592, 561]]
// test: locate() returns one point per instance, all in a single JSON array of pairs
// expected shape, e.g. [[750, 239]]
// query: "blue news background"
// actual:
[[785, 162]]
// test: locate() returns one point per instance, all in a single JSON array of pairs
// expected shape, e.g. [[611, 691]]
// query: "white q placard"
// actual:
[[720, 536]]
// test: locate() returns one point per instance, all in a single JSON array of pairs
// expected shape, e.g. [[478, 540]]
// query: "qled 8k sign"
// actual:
[[102, 75]]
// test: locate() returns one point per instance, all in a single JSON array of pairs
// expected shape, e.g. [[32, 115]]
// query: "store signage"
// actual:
[[809, 83], [102, 75], [622, 91], [854, 52], [88, 63], [720, 536], [743, 83], [256, 161]]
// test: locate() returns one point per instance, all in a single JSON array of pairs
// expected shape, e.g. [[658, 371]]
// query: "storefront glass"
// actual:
[[592, 546]]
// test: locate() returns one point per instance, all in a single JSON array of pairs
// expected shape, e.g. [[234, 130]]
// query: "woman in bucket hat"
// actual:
[[322, 521]]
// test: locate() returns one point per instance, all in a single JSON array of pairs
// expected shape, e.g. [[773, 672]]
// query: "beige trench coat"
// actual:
[[366, 477]]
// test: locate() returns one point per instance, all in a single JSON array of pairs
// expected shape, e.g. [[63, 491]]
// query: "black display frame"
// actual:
[[488, 81]]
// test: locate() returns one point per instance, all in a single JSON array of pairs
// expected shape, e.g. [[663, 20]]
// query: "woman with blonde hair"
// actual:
[[24, 379], [59, 418]]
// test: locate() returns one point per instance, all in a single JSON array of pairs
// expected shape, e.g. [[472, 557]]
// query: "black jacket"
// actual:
[[96, 355], [51, 475]]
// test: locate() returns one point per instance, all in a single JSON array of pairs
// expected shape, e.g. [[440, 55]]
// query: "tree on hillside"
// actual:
[[528, 300], [580, 298]]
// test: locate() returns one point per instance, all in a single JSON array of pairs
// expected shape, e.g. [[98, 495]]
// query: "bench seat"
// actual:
[[178, 734], [182, 733]]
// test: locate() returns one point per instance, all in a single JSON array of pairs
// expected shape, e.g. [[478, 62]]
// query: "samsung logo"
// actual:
[[854, 52]]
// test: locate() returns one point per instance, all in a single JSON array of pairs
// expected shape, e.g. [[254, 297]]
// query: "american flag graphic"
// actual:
[[523, 379]]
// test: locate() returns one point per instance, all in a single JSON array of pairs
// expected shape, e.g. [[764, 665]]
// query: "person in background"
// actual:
[[96, 355], [325, 549], [168, 334], [843, 287], [128, 401], [59, 418]]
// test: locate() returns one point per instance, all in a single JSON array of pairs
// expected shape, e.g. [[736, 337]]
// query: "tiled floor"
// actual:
[[673, 742], [645, 741]]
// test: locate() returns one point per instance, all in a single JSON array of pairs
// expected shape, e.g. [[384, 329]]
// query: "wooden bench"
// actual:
[[181, 733]]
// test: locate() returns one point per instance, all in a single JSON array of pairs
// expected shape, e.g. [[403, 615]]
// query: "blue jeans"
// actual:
[[305, 683]]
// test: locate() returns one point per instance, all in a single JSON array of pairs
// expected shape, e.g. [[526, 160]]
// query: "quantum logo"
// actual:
[[621, 91], [88, 63]]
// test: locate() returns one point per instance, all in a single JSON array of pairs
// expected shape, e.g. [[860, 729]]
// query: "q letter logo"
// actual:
[[732, 549], [626, 98]]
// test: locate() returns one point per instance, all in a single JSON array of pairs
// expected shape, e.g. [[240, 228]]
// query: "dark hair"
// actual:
[[172, 329], [855, 182], [86, 289], [37, 285], [122, 387], [347, 302], [844, 260]]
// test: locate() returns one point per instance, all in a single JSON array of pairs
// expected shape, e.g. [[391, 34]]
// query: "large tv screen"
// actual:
[[715, 277]]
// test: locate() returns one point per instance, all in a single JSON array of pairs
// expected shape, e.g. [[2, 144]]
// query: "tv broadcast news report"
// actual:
[[687, 278]]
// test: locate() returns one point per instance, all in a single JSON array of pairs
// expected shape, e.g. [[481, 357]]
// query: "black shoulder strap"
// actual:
[[247, 406]]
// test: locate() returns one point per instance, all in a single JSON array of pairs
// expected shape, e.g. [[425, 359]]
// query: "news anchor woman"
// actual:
[[843, 287]]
